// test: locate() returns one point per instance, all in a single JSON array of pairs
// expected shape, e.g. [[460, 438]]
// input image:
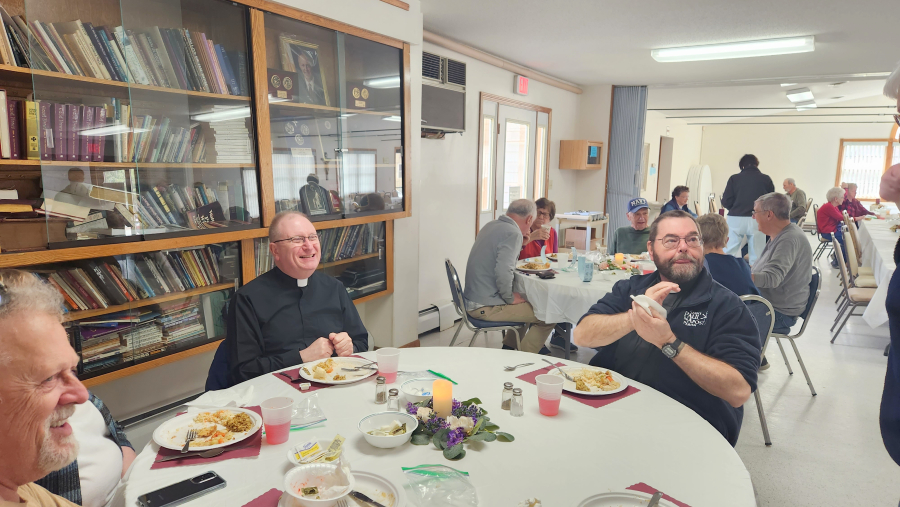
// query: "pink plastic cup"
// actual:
[[388, 363], [549, 393], [276, 413]]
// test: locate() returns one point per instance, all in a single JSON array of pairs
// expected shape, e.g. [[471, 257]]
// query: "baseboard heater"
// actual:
[[440, 315]]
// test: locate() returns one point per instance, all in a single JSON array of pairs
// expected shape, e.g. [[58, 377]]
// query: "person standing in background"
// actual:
[[798, 200], [741, 191], [890, 398]]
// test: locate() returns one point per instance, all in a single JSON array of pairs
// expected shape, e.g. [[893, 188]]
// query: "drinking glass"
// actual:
[[549, 393], [388, 363], [276, 413]]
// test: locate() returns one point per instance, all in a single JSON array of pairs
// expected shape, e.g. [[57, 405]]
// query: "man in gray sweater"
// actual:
[[784, 268], [798, 200], [489, 277]]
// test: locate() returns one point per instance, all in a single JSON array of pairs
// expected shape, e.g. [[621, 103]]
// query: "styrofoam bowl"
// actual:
[[311, 475], [370, 422], [420, 383]]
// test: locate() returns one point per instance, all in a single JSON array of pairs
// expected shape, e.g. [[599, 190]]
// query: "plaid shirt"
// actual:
[[854, 208], [66, 482]]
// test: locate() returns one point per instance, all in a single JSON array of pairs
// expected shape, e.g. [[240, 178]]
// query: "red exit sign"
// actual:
[[521, 85]]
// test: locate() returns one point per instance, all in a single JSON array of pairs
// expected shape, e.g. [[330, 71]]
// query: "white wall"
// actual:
[[593, 125], [686, 152], [807, 153]]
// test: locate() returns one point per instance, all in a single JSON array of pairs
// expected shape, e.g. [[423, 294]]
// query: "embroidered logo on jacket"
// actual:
[[694, 319]]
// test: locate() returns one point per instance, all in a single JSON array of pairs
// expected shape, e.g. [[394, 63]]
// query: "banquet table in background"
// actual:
[[876, 240], [643, 438]]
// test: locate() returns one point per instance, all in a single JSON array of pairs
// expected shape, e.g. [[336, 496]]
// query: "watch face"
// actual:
[[669, 350]]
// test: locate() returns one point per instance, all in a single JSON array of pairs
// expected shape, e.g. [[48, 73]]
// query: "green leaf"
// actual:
[[440, 439], [478, 426], [480, 437], [454, 452], [505, 437], [475, 401], [491, 427], [420, 439], [489, 437]]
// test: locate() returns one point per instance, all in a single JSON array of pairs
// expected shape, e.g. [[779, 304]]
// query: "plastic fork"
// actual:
[[191, 435]]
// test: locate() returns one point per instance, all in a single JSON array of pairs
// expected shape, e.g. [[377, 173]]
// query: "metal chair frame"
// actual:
[[824, 244], [808, 314], [459, 303], [845, 310], [756, 396]]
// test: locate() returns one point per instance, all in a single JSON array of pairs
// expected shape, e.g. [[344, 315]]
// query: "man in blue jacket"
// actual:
[[680, 197], [704, 354]]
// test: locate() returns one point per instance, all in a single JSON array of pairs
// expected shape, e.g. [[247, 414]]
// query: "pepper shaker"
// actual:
[[506, 396], [393, 401], [380, 391], [517, 406]]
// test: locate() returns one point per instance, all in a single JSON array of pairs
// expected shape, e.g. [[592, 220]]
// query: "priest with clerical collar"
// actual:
[[293, 314]]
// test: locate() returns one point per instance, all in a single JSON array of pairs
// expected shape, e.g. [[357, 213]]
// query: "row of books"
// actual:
[[232, 140], [335, 244], [101, 283], [156, 139], [197, 207], [164, 57]]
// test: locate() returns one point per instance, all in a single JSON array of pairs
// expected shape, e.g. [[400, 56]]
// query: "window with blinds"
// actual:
[[863, 163]]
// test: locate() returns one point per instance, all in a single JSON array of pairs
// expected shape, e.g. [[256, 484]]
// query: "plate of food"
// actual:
[[215, 428], [621, 499], [592, 381], [533, 266], [331, 371]]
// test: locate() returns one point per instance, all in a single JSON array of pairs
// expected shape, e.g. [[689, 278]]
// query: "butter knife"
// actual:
[[364, 498]]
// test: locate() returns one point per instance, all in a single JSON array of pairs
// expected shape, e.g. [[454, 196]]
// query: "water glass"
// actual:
[[276, 413]]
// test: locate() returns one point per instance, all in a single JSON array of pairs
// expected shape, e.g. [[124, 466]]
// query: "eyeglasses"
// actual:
[[671, 242], [754, 212], [300, 240]]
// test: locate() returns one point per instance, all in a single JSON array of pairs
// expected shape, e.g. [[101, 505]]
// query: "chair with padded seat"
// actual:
[[473, 324], [815, 287], [854, 233], [764, 315], [854, 297], [857, 278], [824, 244]]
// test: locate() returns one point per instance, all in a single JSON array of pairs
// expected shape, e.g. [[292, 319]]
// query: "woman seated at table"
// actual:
[[539, 237], [830, 219]]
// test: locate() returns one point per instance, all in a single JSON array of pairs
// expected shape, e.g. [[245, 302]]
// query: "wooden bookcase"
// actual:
[[269, 179]]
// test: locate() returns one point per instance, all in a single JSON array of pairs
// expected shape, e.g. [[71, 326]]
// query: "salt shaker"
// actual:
[[506, 397], [380, 391], [517, 407], [393, 401]]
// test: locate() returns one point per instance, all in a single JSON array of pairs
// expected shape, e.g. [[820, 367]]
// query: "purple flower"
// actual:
[[411, 408], [456, 437], [435, 424]]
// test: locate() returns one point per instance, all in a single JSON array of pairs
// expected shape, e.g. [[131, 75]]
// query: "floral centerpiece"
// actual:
[[468, 422]]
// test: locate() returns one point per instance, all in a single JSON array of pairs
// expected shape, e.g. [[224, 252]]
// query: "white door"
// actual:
[[487, 163], [514, 169]]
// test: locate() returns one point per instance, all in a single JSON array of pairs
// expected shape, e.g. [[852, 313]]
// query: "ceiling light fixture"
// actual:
[[785, 85], [806, 106], [799, 95], [743, 49], [383, 82]]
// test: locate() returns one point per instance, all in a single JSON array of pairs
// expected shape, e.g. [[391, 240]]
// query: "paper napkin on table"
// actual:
[[232, 397]]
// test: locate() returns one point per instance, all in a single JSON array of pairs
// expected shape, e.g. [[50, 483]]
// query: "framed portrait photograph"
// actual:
[[302, 58]]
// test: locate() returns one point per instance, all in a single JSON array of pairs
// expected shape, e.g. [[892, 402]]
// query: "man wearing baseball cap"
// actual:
[[633, 239]]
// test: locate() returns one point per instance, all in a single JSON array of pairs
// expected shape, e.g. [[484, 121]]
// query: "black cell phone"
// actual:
[[183, 491]]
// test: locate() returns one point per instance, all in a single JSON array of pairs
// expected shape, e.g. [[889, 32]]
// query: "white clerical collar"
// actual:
[[301, 282]]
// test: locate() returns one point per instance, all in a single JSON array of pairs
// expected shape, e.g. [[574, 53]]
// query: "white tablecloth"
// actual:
[[646, 437], [877, 244]]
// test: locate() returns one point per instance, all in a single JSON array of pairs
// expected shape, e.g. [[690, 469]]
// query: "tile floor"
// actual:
[[826, 450]]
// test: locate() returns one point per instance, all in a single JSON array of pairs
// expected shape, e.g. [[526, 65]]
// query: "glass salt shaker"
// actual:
[[517, 407], [393, 401], [380, 391], [506, 397]]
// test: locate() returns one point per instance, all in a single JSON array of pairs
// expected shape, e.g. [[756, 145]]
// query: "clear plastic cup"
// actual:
[[276, 413], [388, 363], [549, 393]]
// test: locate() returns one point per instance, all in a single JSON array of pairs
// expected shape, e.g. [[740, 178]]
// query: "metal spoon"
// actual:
[[511, 368], [654, 501], [564, 374]]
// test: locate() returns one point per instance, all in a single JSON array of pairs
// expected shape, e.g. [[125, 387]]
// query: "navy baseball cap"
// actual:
[[636, 204]]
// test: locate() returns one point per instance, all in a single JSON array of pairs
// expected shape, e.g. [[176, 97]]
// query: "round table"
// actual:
[[646, 437]]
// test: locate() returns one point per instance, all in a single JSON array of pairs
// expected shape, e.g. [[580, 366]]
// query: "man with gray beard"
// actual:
[[38, 390], [705, 353]]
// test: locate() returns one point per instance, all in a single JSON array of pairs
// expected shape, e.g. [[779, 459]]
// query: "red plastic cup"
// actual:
[[277, 413], [549, 393]]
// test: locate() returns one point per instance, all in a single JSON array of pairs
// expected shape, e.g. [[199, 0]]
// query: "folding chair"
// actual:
[[473, 324], [861, 270], [697, 208], [855, 297], [815, 286], [824, 244], [764, 315]]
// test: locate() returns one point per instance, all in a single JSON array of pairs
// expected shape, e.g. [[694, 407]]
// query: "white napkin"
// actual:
[[232, 397]]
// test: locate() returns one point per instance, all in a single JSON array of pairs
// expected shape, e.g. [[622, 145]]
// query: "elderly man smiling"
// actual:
[[38, 390]]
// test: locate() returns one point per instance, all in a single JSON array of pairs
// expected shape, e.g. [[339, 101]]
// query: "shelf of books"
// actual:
[[356, 255]]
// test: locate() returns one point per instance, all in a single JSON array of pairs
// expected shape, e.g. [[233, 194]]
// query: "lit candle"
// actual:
[[442, 394], [620, 258]]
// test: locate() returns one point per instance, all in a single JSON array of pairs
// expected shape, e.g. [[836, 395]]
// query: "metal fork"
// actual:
[[191, 435], [564, 374], [342, 503]]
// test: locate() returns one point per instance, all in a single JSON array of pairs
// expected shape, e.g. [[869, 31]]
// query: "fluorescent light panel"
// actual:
[[806, 106], [383, 82], [785, 85], [799, 95], [745, 49]]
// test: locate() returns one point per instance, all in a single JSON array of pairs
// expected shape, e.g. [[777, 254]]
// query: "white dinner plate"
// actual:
[[172, 433], [621, 499], [340, 362], [522, 263], [569, 386], [377, 488]]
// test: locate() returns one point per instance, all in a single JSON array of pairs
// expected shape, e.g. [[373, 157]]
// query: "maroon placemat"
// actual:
[[248, 448], [295, 373], [268, 499], [592, 401], [644, 488]]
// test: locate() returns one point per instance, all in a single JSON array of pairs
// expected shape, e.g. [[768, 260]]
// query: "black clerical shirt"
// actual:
[[271, 319]]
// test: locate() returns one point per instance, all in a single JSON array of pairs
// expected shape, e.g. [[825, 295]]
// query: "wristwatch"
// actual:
[[672, 349]]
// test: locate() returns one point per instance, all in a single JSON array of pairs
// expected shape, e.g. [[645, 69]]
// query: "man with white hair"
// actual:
[[890, 399], [798, 200], [38, 390], [489, 277]]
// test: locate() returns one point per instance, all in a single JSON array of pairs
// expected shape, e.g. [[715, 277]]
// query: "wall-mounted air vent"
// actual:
[[456, 72], [443, 94], [432, 67]]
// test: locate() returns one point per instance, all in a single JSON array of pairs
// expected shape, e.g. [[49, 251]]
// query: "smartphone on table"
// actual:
[[183, 491]]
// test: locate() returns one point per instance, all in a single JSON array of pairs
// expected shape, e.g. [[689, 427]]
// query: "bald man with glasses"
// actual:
[[293, 314]]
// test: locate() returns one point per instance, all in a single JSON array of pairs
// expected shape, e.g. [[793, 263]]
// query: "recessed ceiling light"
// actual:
[[799, 95], [785, 85], [805, 106], [742, 49]]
